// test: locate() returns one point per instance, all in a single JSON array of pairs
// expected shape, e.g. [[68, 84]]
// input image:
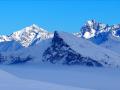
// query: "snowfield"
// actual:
[[11, 82], [58, 77], [64, 48], [35, 59]]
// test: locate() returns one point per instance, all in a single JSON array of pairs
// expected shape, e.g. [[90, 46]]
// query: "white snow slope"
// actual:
[[87, 48], [11, 82], [113, 44], [57, 77], [79, 45]]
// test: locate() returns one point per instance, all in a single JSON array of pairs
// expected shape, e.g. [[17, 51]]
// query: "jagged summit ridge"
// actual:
[[98, 32], [93, 28], [63, 48], [28, 35], [107, 36]]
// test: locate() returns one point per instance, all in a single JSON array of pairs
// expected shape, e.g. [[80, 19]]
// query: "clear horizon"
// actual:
[[54, 15]]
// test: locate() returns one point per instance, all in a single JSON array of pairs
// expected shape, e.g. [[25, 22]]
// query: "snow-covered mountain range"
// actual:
[[96, 44], [105, 35], [94, 29]]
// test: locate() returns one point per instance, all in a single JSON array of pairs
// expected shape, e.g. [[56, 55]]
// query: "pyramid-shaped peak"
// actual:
[[35, 26], [32, 27]]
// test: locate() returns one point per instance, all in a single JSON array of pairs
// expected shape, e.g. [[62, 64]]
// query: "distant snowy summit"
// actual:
[[27, 36], [105, 35], [97, 32], [94, 29], [95, 45]]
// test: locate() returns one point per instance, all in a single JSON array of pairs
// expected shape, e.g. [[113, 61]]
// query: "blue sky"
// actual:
[[62, 15]]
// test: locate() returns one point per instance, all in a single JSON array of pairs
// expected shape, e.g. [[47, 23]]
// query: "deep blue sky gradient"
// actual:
[[62, 15]]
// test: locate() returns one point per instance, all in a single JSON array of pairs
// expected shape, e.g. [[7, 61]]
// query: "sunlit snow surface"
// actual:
[[57, 77]]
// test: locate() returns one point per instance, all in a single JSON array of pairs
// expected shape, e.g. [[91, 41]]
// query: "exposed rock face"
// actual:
[[60, 52]]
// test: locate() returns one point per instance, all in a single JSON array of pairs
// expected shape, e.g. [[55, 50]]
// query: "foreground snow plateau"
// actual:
[[57, 77], [11, 82]]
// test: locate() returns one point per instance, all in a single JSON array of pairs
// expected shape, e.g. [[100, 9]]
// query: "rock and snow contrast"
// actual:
[[63, 48], [107, 36], [35, 59], [34, 44], [28, 36], [67, 49]]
